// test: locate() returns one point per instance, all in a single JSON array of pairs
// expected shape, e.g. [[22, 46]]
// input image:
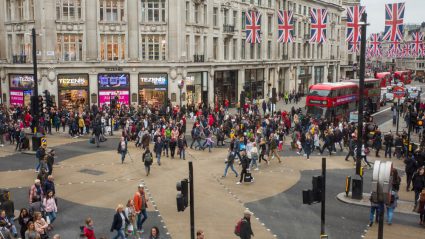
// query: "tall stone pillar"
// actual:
[[134, 87], [325, 73], [133, 30], [91, 30], [241, 82], [48, 31], [3, 52], [175, 43], [93, 86]]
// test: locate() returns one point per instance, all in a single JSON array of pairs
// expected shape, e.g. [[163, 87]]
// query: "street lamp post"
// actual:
[[34, 65]]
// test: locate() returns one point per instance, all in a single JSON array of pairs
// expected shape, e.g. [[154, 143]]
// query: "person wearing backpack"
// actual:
[[196, 136], [243, 227], [147, 159]]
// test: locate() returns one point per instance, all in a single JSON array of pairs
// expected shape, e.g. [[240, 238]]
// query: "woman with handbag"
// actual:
[[40, 225], [50, 209]]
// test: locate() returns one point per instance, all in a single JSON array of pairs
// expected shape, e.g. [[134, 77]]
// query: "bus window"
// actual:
[[319, 92]]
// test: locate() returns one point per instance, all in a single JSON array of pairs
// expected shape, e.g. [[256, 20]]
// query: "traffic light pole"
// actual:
[[322, 223], [34, 65], [361, 95], [409, 130], [192, 202], [398, 114]]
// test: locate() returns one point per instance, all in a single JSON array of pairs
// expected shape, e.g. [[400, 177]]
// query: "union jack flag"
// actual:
[[319, 19], [406, 51], [395, 49], [375, 44], [285, 26], [417, 45], [394, 14], [353, 27], [253, 27]]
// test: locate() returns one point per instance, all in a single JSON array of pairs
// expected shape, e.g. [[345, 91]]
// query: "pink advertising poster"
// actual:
[[123, 96], [17, 97]]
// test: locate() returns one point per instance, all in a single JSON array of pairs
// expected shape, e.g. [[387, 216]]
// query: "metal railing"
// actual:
[[198, 58]]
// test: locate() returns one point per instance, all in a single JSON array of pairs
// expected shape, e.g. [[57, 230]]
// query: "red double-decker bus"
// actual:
[[385, 78], [333, 101], [403, 76], [372, 93]]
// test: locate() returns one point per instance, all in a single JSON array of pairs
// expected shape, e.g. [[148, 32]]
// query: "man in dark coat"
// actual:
[[246, 230]]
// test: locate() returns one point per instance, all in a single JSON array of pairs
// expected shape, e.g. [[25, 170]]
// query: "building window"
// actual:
[[269, 49], [112, 47], [299, 50], [243, 49], [294, 50], [270, 3], [188, 46], [226, 49], [251, 51], [68, 10], [235, 43], [153, 47], [8, 10], [215, 20], [205, 14], [197, 45], [243, 21], [196, 13], [226, 16], [235, 17], [187, 12], [31, 10], [215, 48], [259, 51], [153, 10], [205, 50], [270, 24], [19, 10], [69, 47], [112, 10]]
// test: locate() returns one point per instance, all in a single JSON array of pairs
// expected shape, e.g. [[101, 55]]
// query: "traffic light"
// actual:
[[48, 99], [40, 105], [183, 195], [314, 195], [34, 105]]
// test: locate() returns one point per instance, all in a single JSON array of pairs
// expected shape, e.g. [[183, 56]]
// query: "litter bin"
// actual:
[[36, 141], [357, 188]]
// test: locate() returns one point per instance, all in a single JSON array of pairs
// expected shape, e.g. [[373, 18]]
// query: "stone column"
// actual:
[[91, 31], [325, 73], [3, 52], [49, 31], [134, 86], [241, 82], [133, 30], [312, 75], [176, 38], [93, 86]]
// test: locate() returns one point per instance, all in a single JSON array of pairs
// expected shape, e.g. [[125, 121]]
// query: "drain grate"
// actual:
[[91, 171]]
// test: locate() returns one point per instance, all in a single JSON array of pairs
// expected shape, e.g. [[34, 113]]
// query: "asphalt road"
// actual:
[[287, 217]]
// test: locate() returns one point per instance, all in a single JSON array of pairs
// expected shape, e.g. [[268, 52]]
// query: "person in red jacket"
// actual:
[[89, 229], [140, 206]]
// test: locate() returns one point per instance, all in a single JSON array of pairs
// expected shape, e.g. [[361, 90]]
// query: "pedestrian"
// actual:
[[364, 152], [388, 142], [122, 148], [23, 219], [182, 145], [245, 164], [200, 234], [418, 182], [421, 207], [391, 207], [173, 141], [147, 158], [158, 146], [9, 224], [245, 226], [49, 185], [229, 164], [263, 150], [140, 206], [254, 156], [196, 136], [374, 208], [154, 233], [40, 225], [9, 207], [130, 213], [36, 192], [273, 148], [410, 168], [39, 154], [396, 180], [31, 233], [89, 228], [50, 208], [119, 222]]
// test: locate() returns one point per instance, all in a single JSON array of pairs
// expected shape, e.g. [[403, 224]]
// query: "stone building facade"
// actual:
[[143, 50]]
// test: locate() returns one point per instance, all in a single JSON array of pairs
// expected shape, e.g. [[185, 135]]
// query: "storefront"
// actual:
[[226, 86], [254, 83], [318, 74], [73, 91], [153, 89], [196, 88], [21, 88], [304, 77], [114, 85]]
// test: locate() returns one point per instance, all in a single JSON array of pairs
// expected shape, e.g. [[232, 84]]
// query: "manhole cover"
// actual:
[[91, 171]]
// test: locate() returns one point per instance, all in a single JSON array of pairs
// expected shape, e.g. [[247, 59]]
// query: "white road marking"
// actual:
[[377, 113]]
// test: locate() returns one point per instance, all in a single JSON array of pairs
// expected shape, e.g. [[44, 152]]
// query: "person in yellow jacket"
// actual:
[[81, 125]]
